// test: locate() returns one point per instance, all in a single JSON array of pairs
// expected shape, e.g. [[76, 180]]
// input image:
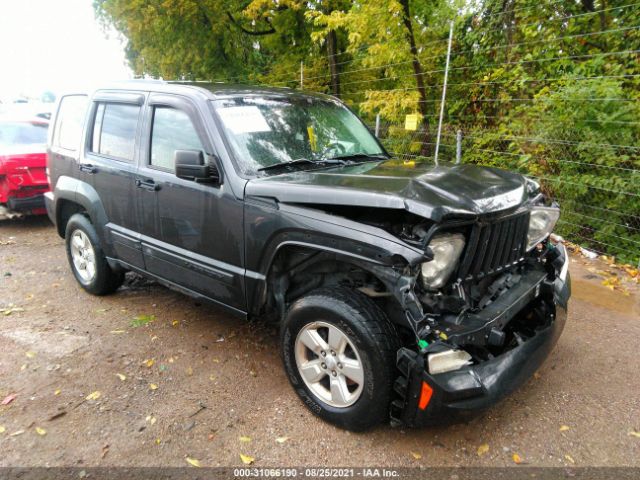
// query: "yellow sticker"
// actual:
[[411, 122], [313, 140]]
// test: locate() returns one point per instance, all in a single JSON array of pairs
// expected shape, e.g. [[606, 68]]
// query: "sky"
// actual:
[[55, 45]]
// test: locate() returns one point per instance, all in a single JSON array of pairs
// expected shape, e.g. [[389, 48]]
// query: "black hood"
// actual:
[[426, 190]]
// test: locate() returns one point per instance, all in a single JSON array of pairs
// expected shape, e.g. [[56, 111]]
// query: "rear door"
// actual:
[[192, 232], [110, 161]]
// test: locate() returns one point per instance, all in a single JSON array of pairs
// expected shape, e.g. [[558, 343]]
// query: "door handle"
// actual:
[[147, 185], [87, 167]]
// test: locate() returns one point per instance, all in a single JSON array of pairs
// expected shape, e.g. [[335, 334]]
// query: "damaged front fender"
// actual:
[[277, 227]]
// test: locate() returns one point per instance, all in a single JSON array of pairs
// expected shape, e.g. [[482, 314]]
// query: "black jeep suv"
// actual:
[[403, 290]]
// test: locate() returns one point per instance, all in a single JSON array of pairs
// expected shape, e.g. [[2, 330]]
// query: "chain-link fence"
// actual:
[[560, 105]]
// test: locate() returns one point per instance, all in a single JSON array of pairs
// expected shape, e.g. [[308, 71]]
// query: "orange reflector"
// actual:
[[425, 396]]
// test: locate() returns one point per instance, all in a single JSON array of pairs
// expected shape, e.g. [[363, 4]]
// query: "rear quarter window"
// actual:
[[69, 122]]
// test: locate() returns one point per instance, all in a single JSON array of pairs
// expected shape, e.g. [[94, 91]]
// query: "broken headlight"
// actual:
[[446, 249], [541, 223]]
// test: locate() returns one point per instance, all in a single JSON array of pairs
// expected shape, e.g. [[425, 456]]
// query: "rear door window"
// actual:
[[69, 122], [114, 130]]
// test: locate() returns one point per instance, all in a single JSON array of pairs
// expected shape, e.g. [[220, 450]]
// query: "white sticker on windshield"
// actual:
[[247, 119]]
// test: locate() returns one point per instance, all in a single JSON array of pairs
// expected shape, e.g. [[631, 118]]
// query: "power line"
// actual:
[[573, 212], [603, 233], [553, 141], [503, 82], [570, 17]]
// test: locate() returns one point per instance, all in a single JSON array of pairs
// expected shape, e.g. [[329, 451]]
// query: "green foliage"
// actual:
[[592, 160], [546, 87]]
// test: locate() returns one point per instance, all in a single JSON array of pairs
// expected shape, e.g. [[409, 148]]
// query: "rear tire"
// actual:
[[86, 258], [339, 352]]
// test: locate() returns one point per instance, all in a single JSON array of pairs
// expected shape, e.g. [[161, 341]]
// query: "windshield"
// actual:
[[265, 131], [22, 133]]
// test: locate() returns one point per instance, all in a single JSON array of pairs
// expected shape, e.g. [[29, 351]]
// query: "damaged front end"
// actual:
[[485, 333]]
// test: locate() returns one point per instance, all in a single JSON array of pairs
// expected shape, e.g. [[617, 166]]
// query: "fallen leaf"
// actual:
[[482, 449], [153, 386], [416, 455], [149, 363], [121, 376], [151, 419], [154, 338], [2, 429], [564, 428], [57, 392], [101, 310], [23, 367], [189, 371], [282, 439], [158, 441], [253, 374], [245, 439], [117, 332], [633, 433], [9, 398], [11, 309], [16, 433], [30, 354], [215, 360], [246, 459], [193, 462], [93, 396], [175, 323], [569, 458], [142, 320], [41, 431], [516, 458], [105, 450], [611, 282]]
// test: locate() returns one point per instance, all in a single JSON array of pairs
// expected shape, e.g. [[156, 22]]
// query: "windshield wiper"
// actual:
[[302, 161], [355, 156]]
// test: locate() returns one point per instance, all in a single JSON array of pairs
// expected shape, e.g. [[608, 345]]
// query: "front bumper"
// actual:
[[462, 394]]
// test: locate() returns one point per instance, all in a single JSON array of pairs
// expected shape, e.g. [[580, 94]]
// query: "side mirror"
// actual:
[[189, 165]]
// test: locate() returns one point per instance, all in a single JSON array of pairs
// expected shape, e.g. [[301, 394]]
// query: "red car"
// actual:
[[23, 163]]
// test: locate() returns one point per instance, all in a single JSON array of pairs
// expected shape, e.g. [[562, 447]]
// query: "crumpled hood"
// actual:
[[426, 190]]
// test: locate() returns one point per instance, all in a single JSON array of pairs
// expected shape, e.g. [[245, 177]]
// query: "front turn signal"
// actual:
[[425, 395]]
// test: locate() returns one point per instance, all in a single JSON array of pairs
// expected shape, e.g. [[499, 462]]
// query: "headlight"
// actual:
[[446, 250], [541, 224]]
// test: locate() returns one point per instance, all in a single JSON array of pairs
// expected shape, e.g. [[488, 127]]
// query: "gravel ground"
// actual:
[[186, 381]]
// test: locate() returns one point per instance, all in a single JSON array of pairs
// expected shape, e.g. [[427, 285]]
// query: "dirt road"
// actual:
[[177, 380]]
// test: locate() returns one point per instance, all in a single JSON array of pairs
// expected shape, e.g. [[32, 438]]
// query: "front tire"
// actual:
[[86, 258], [339, 351]]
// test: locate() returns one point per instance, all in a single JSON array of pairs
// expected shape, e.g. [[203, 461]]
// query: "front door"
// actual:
[[192, 232]]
